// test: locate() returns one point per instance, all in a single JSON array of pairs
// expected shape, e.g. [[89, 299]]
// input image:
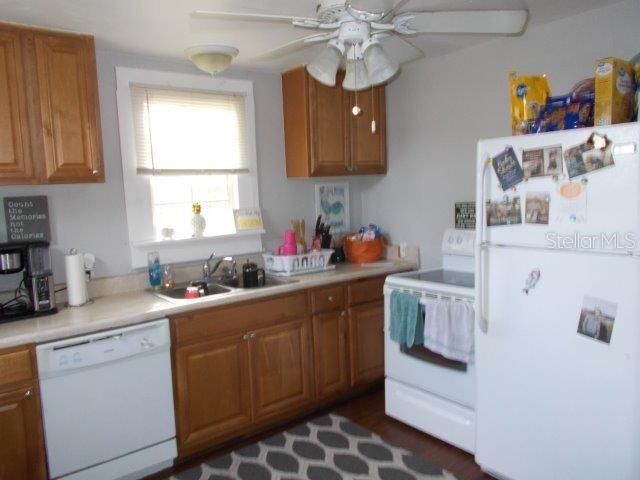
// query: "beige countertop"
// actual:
[[119, 310]]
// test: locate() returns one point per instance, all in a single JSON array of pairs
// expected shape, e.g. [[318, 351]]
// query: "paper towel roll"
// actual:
[[77, 293]]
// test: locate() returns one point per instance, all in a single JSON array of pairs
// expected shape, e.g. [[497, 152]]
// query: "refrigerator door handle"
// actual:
[[481, 319]]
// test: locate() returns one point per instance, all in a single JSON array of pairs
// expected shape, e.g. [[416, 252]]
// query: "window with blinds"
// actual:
[[182, 132]]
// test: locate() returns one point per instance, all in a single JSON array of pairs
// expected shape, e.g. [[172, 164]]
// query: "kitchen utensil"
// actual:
[[252, 276]]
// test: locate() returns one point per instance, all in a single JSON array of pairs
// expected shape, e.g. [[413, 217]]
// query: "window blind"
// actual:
[[181, 132]]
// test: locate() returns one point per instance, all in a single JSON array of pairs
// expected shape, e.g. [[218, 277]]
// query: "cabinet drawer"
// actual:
[[327, 299], [16, 366], [367, 290], [240, 317]]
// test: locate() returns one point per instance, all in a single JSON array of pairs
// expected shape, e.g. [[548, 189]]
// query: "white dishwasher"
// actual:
[[107, 402]]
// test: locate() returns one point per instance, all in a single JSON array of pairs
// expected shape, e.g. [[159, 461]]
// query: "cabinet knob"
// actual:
[[28, 393], [95, 172], [331, 299], [343, 314]]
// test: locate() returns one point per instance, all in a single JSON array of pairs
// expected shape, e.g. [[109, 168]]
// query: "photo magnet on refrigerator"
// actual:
[[505, 212], [542, 162], [508, 169], [597, 318], [537, 205], [595, 154]]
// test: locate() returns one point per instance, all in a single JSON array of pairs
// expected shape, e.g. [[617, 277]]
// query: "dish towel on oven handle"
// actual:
[[405, 325], [448, 328]]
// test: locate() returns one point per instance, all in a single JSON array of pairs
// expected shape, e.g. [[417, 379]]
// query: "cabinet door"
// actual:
[[21, 442], [15, 157], [67, 103], [368, 149], [212, 391], [366, 343], [281, 359], [328, 126], [331, 355]]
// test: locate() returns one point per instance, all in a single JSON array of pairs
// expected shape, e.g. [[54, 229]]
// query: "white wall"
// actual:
[[92, 218], [438, 109]]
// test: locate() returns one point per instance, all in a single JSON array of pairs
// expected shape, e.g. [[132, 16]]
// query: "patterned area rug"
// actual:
[[327, 448]]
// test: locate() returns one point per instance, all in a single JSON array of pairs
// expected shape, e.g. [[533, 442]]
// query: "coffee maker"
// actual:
[[30, 263]]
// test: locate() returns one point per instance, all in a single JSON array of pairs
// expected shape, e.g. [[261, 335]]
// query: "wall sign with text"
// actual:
[[27, 219], [466, 215]]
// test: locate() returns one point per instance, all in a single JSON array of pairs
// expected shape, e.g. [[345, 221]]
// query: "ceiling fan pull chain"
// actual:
[[356, 109], [374, 125]]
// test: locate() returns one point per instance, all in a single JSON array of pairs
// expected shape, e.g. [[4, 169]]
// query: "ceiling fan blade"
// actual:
[[247, 17], [496, 22], [413, 52], [292, 47], [372, 6], [391, 13]]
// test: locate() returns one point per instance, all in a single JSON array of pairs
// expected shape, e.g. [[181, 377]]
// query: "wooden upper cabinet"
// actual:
[[281, 360], [368, 132], [15, 152], [49, 108], [68, 105], [321, 136]]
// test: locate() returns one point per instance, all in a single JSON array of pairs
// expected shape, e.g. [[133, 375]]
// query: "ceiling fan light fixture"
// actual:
[[380, 66], [325, 66], [356, 77], [212, 59]]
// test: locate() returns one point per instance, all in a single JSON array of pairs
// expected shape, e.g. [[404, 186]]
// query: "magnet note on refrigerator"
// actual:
[[597, 318], [508, 169], [570, 204]]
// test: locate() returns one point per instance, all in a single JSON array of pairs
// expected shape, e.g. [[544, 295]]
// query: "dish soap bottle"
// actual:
[[155, 275], [198, 223]]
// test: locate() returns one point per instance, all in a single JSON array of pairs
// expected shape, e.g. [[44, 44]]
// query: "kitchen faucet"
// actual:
[[228, 276]]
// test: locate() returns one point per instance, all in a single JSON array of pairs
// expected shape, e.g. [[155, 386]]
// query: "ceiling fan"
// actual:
[[353, 30]]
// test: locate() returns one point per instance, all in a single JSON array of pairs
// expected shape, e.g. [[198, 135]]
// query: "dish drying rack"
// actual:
[[290, 265]]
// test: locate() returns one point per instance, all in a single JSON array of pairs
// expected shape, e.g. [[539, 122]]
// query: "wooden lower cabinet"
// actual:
[[213, 390], [331, 353], [281, 361], [242, 368], [22, 452], [366, 342]]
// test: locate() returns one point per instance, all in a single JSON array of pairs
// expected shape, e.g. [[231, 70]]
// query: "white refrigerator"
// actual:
[[558, 306]]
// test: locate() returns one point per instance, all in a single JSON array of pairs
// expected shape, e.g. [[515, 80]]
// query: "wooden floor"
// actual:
[[368, 411]]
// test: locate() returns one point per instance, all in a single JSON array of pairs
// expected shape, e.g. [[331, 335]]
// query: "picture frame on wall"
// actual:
[[332, 202]]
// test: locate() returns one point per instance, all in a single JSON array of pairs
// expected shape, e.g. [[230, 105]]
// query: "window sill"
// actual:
[[196, 241]]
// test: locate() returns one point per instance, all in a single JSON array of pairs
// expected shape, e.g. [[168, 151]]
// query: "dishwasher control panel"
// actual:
[[102, 347]]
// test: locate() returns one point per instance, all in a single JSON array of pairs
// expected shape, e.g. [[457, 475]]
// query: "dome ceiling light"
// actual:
[[212, 59]]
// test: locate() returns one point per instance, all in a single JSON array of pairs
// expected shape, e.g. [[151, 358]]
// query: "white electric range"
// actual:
[[424, 389]]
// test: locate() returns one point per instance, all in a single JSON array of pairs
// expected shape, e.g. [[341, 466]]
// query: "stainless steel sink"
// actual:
[[177, 293], [271, 281], [213, 289]]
